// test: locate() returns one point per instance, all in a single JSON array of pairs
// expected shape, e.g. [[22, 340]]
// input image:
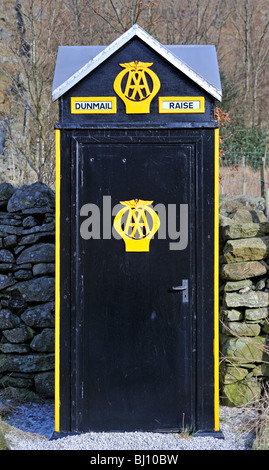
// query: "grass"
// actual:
[[7, 404], [257, 424], [185, 432], [3, 430], [10, 398], [262, 422]]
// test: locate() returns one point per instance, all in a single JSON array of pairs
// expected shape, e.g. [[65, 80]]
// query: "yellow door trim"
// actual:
[[216, 285], [57, 284], [57, 281]]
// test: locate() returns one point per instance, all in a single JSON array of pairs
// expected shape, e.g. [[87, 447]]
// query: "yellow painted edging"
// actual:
[[57, 283], [216, 285]]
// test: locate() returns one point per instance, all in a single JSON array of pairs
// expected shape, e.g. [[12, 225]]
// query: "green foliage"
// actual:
[[238, 138], [3, 443], [238, 141]]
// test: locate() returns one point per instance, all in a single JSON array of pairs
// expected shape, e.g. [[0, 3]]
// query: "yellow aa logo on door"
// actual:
[[140, 88], [136, 223]]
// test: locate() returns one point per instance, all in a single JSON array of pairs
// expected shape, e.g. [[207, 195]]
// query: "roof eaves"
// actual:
[[180, 65], [92, 64], [119, 42]]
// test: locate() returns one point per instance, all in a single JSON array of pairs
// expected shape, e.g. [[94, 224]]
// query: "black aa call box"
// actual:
[[137, 237]]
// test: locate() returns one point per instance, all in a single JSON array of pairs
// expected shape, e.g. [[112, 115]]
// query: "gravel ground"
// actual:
[[31, 427]]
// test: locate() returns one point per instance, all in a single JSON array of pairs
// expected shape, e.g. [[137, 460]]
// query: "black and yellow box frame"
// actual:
[[137, 237]]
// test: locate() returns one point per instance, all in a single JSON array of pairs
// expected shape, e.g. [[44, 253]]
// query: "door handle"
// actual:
[[184, 288]]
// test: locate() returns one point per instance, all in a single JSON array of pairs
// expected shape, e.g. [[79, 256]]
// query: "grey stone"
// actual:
[[247, 249], [8, 319], [6, 281], [237, 285], [250, 299], [243, 329], [34, 196], [49, 218], [245, 216], [246, 270], [21, 334], [245, 350], [44, 384], [6, 191], [22, 266], [23, 274], [38, 210], [50, 227], [256, 314], [8, 348], [43, 268], [36, 362], [43, 252], [232, 314], [260, 284], [34, 238], [4, 267], [10, 241], [224, 221], [233, 231], [242, 393], [6, 256], [6, 215], [44, 342], [10, 229], [234, 203], [231, 374], [40, 316], [7, 220], [261, 370], [13, 380], [41, 289], [17, 303], [17, 249], [10, 219], [29, 222]]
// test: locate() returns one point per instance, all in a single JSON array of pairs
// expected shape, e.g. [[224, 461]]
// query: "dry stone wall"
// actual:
[[27, 290], [244, 299], [27, 287]]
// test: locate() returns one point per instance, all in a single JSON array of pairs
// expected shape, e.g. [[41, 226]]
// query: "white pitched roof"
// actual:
[[199, 63]]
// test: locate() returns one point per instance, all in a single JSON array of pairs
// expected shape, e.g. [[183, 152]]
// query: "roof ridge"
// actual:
[[162, 50]]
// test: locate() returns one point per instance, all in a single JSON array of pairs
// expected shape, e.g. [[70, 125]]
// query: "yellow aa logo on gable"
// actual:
[[140, 88], [138, 228]]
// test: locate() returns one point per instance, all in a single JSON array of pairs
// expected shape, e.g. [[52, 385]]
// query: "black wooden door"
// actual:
[[132, 334]]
